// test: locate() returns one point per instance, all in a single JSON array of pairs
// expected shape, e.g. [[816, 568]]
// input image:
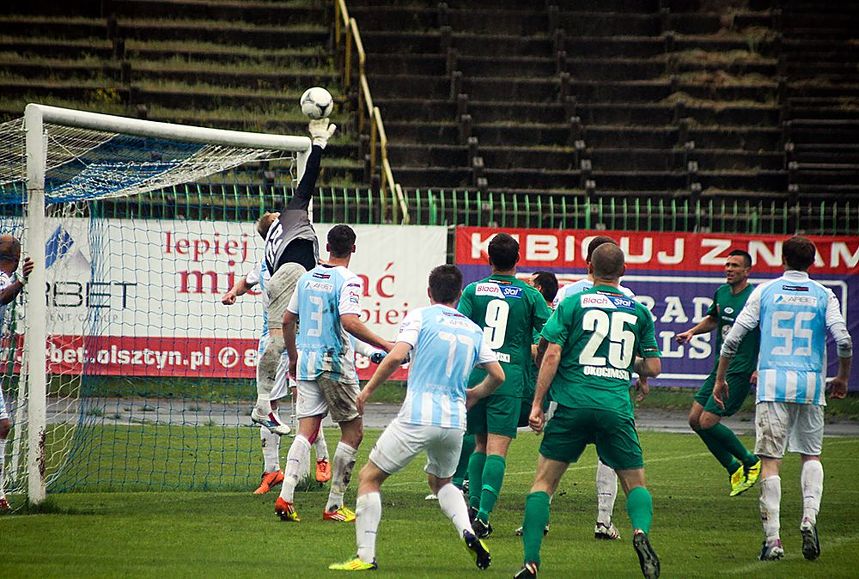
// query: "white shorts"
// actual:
[[327, 395], [787, 425], [281, 386], [400, 443], [281, 381], [4, 414]]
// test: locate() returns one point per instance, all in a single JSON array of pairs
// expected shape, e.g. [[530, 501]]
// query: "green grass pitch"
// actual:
[[698, 530]]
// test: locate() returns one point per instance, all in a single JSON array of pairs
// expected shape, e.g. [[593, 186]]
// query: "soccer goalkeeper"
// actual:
[[291, 249]]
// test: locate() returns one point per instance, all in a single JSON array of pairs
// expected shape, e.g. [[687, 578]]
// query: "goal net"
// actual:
[[121, 368]]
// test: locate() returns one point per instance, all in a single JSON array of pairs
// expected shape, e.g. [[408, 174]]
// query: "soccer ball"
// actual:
[[316, 103]]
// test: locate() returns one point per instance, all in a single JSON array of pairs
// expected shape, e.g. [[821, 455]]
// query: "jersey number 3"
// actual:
[[621, 340]]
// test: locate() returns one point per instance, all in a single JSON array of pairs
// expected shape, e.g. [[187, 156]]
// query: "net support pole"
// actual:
[[36, 326]]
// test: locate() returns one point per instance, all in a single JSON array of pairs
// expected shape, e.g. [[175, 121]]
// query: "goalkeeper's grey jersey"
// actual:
[[292, 239]]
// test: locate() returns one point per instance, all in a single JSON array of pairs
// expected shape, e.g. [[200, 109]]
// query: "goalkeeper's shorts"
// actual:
[[280, 288], [4, 414]]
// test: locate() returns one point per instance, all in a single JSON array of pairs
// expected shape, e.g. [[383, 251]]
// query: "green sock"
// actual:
[[639, 506], [468, 445], [714, 445], [475, 478], [493, 477], [536, 518], [732, 444]]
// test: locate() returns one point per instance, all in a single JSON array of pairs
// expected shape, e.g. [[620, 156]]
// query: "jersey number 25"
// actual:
[[621, 340]]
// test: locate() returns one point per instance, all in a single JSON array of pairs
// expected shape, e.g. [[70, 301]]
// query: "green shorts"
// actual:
[[495, 414], [525, 410], [571, 429], [738, 388]]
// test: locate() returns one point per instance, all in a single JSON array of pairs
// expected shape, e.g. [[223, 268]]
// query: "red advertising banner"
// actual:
[[161, 357], [675, 275], [703, 253]]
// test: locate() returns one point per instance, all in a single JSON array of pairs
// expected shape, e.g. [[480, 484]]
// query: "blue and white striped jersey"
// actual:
[[794, 313], [580, 286], [259, 275], [321, 297], [446, 346]]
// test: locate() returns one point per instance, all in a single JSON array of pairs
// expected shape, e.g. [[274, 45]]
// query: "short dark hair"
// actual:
[[548, 283], [596, 242], [503, 251], [341, 240], [608, 261], [799, 253], [10, 248], [445, 283], [744, 254]]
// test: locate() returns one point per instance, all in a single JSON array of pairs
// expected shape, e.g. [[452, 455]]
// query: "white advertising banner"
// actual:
[[153, 290]]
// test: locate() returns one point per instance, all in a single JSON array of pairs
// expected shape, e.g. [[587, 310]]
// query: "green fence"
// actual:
[[246, 202], [504, 210]]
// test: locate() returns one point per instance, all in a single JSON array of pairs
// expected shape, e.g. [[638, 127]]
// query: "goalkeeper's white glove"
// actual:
[[320, 131]]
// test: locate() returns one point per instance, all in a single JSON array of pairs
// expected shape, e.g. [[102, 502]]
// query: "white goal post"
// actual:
[[36, 119]]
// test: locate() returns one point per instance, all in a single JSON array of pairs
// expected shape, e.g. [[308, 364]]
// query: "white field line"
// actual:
[[829, 443], [825, 547], [572, 468]]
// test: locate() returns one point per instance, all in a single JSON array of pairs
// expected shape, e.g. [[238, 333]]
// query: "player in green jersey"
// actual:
[[509, 311], [593, 343], [705, 416]]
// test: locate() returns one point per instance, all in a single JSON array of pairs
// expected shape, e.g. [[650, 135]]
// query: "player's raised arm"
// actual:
[[320, 131]]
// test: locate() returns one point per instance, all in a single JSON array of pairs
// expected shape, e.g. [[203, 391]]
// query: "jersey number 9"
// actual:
[[495, 323]]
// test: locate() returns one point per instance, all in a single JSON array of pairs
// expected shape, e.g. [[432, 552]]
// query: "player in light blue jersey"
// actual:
[[272, 475], [322, 360], [606, 478], [445, 346], [794, 313]]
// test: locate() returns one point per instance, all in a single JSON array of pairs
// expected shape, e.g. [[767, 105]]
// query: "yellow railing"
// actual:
[[348, 42]]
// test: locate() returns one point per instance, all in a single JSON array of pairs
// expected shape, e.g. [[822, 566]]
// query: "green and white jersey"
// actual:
[[600, 332], [509, 311], [725, 308]]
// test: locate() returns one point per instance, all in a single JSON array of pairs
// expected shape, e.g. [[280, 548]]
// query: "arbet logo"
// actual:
[[787, 300]]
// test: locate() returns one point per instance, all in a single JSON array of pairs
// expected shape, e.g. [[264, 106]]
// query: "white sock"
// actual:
[[320, 446], [297, 461], [812, 489], [344, 462], [263, 406], [368, 511], [2, 463], [270, 449], [606, 492], [452, 504], [770, 503]]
